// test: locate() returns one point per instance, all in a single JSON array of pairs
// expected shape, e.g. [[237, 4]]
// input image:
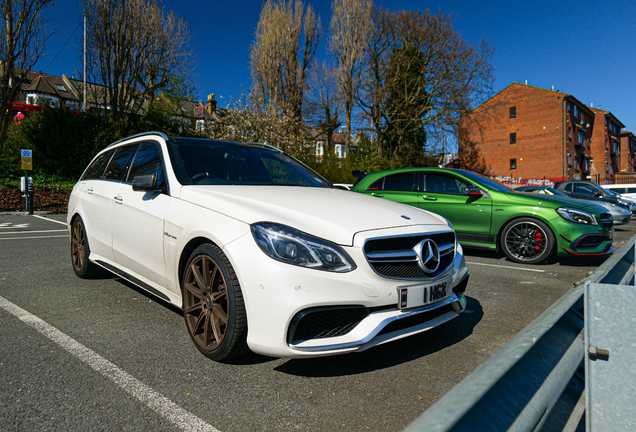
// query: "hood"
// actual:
[[332, 214], [556, 201]]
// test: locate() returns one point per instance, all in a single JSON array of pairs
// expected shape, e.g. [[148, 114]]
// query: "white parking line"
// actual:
[[31, 232], [32, 237], [50, 220], [506, 267], [154, 400]]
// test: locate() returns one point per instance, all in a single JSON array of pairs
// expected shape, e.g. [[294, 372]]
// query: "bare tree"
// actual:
[[169, 58], [373, 92], [135, 50], [249, 119], [324, 103], [350, 29], [286, 39], [22, 44]]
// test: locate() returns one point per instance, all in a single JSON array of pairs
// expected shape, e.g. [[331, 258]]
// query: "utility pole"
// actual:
[[84, 98]]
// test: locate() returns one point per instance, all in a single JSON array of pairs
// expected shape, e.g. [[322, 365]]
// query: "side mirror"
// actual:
[[473, 191], [146, 183]]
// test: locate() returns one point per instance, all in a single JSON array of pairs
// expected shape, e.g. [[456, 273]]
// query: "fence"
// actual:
[[536, 381]]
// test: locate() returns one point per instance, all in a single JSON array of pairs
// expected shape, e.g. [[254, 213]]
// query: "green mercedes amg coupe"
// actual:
[[486, 214]]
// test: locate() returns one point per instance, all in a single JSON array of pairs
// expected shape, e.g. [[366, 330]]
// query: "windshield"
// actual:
[[208, 162], [485, 181]]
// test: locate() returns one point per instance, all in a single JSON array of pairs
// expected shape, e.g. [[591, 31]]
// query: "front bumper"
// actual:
[[275, 293]]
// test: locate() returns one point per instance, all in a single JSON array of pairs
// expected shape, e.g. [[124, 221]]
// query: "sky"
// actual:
[[583, 48]]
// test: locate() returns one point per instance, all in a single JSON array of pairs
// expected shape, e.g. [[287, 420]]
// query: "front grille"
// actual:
[[398, 257], [414, 320], [325, 322], [607, 220]]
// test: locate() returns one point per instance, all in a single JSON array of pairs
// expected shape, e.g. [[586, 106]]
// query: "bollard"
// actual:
[[30, 196]]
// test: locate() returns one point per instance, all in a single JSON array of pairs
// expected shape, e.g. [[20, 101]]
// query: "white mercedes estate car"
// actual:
[[261, 252]]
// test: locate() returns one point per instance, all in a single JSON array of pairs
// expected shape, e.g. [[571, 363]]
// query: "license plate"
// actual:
[[420, 295]]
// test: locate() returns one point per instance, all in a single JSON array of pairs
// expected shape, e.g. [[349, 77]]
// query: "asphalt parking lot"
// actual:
[[104, 355]]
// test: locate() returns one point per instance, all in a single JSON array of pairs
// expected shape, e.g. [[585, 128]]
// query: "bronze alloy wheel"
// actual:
[[80, 251], [213, 305], [78, 245], [527, 241]]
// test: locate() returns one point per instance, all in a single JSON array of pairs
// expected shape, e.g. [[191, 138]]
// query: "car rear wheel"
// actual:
[[527, 240], [213, 305], [80, 251]]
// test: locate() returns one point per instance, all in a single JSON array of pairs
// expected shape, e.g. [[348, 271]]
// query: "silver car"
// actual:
[[621, 215]]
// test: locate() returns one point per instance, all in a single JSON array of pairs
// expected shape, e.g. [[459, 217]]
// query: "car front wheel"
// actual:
[[213, 305], [527, 240]]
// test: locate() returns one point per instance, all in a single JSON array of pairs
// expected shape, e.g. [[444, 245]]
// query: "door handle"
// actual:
[[118, 199], [89, 191], [429, 198], [377, 194]]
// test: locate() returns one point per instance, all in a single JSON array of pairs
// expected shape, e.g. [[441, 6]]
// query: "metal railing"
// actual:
[[536, 382]]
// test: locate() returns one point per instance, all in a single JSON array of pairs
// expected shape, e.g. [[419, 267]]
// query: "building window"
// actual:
[[513, 137], [581, 137], [576, 164], [569, 160], [569, 133], [513, 163], [569, 106], [513, 112], [576, 111], [586, 165]]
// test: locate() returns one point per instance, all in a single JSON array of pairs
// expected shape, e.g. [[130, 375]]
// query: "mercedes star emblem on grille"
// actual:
[[428, 256]]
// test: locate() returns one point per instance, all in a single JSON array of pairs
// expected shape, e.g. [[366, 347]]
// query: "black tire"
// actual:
[[213, 305], [80, 251], [527, 240]]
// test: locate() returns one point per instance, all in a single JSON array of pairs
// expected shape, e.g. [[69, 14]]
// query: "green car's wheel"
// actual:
[[213, 305], [527, 240]]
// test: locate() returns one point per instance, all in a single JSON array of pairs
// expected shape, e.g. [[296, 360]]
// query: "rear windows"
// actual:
[[96, 169], [404, 182], [119, 164]]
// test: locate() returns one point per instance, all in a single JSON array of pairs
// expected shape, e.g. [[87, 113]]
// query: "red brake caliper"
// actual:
[[538, 237]]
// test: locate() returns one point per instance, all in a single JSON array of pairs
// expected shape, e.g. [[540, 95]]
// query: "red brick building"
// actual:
[[532, 133], [606, 146], [628, 152]]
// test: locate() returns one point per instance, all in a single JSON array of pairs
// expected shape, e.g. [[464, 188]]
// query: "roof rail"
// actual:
[[264, 145], [161, 134]]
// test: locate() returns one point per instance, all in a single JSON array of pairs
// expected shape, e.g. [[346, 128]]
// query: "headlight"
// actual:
[[620, 201], [291, 246], [577, 216]]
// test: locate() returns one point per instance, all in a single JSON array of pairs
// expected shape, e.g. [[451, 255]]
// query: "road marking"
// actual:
[[51, 220], [154, 400], [9, 225], [31, 232], [506, 267], [32, 237]]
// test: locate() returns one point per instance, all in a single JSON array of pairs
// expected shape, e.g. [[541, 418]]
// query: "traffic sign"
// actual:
[[27, 159]]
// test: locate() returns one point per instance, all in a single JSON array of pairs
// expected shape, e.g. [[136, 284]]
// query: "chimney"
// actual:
[[211, 103], [591, 104]]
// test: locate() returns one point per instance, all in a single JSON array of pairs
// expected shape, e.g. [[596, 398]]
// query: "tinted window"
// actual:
[[568, 188], [631, 190], [442, 184], [406, 182], [484, 181], [118, 166], [147, 161], [198, 161], [583, 189], [96, 169]]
